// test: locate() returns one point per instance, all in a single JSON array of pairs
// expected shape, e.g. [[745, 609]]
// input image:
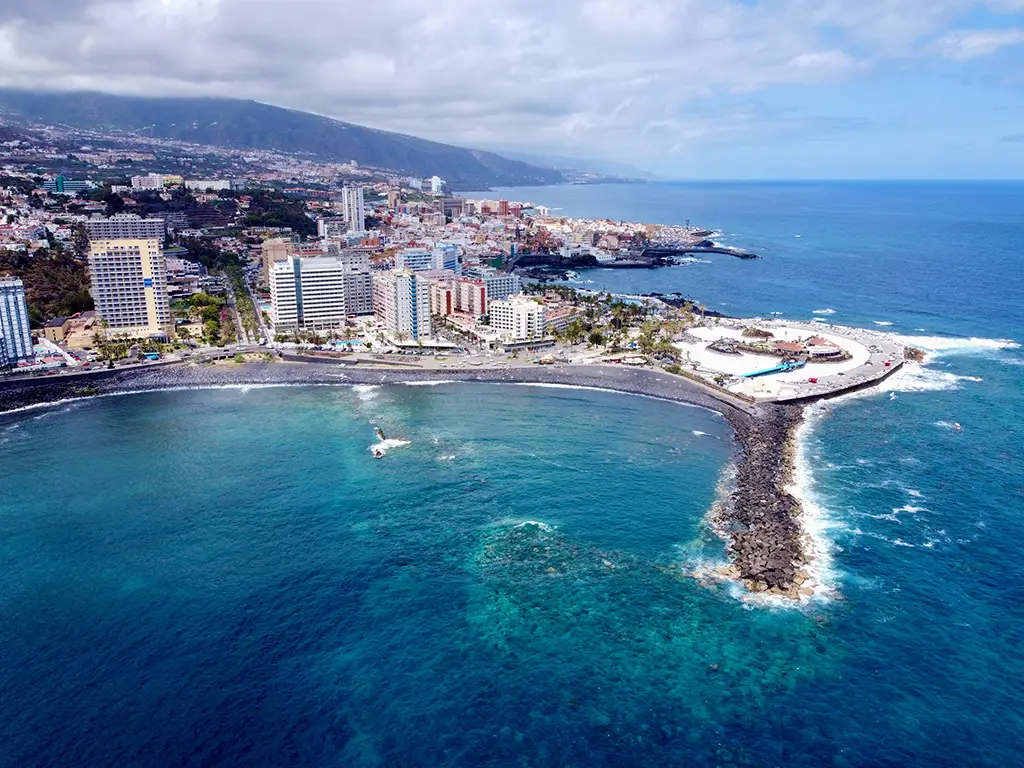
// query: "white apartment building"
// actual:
[[401, 303], [355, 209], [125, 225], [517, 318], [427, 259], [308, 293], [129, 285], [149, 181], [215, 185], [436, 184], [15, 336]]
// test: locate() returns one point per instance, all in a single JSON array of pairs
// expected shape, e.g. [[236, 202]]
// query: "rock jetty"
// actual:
[[762, 520]]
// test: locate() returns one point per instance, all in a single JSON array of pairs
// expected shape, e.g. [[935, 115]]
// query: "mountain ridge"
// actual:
[[251, 125]]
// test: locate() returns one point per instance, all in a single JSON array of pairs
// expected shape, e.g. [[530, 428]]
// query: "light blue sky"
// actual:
[[685, 88]]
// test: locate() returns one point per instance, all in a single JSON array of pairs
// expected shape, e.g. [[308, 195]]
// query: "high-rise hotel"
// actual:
[[129, 275], [15, 336]]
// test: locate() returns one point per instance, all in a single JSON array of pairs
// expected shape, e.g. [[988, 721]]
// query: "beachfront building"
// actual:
[[15, 337], [355, 208], [518, 318], [471, 296], [501, 285], [401, 303], [308, 293], [129, 285], [442, 298], [358, 281]]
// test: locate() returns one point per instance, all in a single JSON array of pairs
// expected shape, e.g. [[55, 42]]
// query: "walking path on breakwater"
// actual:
[[760, 520]]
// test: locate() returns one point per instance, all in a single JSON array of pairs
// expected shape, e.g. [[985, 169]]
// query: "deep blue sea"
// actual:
[[227, 577]]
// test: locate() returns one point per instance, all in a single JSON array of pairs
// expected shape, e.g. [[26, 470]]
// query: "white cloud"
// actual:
[[618, 78], [968, 44]]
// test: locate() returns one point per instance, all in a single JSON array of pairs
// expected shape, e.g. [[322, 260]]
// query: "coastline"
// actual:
[[761, 521]]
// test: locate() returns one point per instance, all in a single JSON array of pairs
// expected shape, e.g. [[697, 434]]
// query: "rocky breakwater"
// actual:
[[761, 520]]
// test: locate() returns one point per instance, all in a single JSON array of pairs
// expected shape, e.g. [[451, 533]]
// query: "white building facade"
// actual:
[[15, 335], [355, 208], [214, 185], [124, 225], [149, 181], [518, 318], [308, 294], [401, 303], [427, 259]]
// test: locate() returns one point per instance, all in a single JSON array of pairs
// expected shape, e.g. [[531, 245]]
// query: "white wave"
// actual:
[[882, 322], [815, 520], [427, 383], [543, 526], [826, 311], [914, 377], [446, 458], [386, 445], [909, 508], [698, 433], [365, 392], [549, 385], [914, 492], [953, 425], [935, 346]]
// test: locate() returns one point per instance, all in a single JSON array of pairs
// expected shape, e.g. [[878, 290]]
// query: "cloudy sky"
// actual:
[[684, 88]]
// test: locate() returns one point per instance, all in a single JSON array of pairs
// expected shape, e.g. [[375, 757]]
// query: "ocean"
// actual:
[[228, 578]]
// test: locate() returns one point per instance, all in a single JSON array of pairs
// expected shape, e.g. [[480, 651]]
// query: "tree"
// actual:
[[574, 331], [596, 338], [114, 204]]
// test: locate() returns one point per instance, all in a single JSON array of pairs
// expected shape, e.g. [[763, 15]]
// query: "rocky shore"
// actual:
[[760, 520]]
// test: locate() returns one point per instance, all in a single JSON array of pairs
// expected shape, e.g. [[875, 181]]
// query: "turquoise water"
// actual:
[[227, 577]]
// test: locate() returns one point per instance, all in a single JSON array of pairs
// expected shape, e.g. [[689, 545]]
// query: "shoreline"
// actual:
[[761, 520]]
